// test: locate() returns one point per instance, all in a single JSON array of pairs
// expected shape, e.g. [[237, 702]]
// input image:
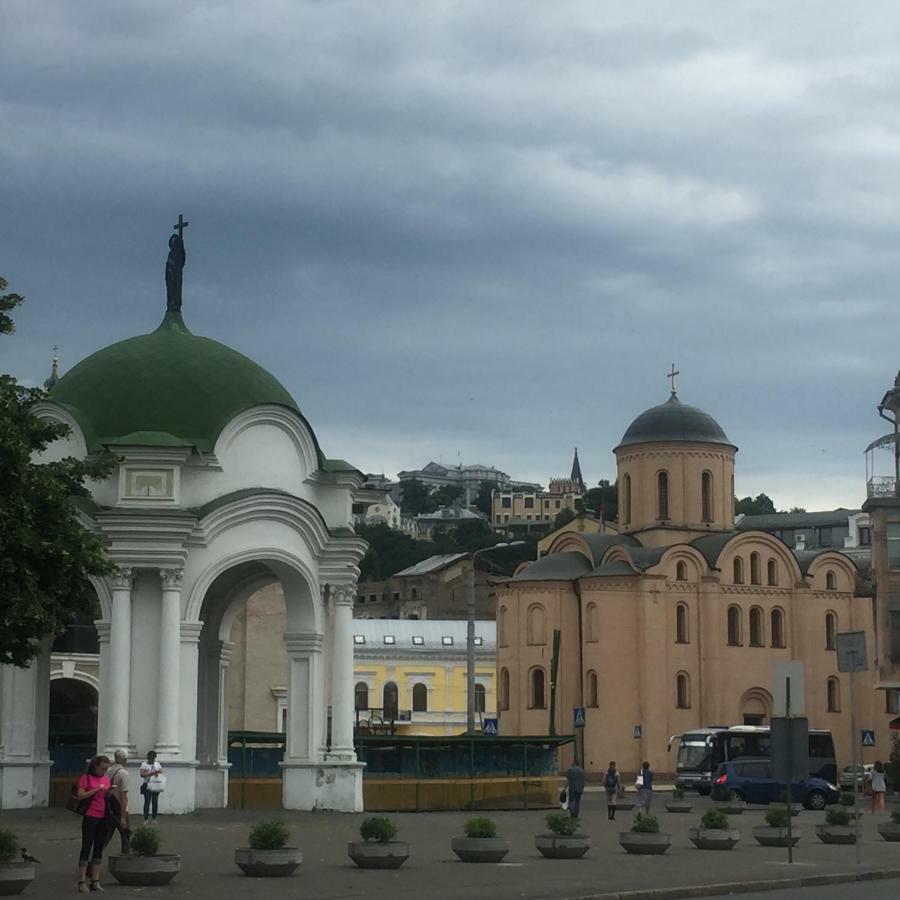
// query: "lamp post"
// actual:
[[470, 635]]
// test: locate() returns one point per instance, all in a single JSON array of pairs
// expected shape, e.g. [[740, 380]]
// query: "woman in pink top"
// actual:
[[93, 786]]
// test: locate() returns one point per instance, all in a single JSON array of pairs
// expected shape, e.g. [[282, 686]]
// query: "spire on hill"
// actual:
[[576, 473]]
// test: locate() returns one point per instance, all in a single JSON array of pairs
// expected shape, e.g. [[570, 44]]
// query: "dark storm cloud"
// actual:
[[477, 231]]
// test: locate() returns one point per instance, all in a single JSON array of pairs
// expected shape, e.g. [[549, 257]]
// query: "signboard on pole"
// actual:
[[851, 652], [490, 727], [868, 737], [578, 717], [790, 749], [796, 671]]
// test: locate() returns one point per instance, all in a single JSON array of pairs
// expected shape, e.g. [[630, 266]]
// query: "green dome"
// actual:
[[166, 388]]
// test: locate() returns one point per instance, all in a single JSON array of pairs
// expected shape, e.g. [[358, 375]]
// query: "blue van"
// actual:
[[751, 780]]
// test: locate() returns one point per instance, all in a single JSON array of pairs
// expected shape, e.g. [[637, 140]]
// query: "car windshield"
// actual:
[[693, 755]]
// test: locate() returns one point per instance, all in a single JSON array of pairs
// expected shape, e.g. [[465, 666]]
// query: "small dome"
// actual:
[[169, 387], [674, 421]]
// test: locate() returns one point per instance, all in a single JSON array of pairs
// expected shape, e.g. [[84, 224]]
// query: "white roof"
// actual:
[[431, 631], [432, 564]]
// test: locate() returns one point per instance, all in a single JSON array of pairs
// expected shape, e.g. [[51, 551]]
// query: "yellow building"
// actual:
[[411, 673]]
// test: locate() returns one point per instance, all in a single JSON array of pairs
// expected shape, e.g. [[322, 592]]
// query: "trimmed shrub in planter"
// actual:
[[481, 843], [146, 867], [679, 803], [378, 849], [714, 833], [15, 874], [839, 827], [645, 837], [564, 841], [775, 833], [890, 831], [733, 806], [267, 856]]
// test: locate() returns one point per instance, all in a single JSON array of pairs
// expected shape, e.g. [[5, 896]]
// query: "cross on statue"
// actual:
[[672, 375], [180, 226], [55, 349]]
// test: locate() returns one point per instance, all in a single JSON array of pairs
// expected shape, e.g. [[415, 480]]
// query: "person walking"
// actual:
[[93, 787], [120, 782], [149, 770], [879, 788], [645, 794], [574, 787], [612, 782]]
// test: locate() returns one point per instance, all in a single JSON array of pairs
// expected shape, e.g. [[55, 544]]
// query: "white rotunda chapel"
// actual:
[[220, 489]]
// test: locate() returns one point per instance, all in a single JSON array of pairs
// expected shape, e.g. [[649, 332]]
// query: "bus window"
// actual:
[[822, 763]]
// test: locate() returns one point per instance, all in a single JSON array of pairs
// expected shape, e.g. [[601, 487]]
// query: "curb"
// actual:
[[743, 887]]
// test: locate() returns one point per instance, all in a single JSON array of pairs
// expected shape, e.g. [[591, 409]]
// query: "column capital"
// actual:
[[122, 578], [344, 594], [171, 579]]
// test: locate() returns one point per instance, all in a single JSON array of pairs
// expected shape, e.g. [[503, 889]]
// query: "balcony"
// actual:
[[881, 486]]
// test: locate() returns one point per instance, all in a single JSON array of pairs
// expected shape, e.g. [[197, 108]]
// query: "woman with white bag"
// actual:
[[153, 782]]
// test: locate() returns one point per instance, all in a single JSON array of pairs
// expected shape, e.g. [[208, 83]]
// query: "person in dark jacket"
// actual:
[[645, 794], [612, 782], [575, 787]]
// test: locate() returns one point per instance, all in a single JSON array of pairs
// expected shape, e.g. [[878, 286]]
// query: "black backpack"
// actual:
[[612, 779]]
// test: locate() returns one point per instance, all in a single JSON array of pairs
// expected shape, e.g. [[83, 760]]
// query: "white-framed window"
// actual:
[[145, 485], [478, 641], [359, 638], [390, 639], [447, 641], [418, 640]]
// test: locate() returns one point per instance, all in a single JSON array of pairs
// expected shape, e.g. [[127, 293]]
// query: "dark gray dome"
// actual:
[[674, 421]]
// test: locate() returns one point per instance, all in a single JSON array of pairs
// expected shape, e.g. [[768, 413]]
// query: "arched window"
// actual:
[[590, 623], [772, 573], [754, 568], [681, 571], [777, 628], [501, 627], [681, 624], [738, 570], [536, 630], [682, 691], [592, 690], [537, 689], [706, 496], [734, 626], [420, 698], [830, 631], [504, 689], [833, 689], [756, 627], [361, 695], [626, 500], [480, 698], [662, 495], [830, 581], [389, 701]]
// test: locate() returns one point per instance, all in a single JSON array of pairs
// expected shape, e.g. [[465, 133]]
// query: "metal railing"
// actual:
[[881, 486]]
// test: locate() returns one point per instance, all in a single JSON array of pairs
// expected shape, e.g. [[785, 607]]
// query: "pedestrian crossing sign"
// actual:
[[490, 727], [868, 737], [578, 717]]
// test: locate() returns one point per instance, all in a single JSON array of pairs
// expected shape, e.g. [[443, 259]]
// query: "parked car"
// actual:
[[845, 779], [752, 781]]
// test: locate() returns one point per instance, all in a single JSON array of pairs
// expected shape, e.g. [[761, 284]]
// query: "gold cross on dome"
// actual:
[[672, 375]]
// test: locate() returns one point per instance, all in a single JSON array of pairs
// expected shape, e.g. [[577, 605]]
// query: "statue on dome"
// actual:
[[175, 266]]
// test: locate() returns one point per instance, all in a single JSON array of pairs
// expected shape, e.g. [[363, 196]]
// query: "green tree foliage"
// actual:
[[45, 554], [759, 505], [483, 497], [563, 517], [605, 496], [445, 496], [415, 497]]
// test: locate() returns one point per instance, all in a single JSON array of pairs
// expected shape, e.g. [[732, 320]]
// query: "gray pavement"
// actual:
[[207, 840], [867, 890]]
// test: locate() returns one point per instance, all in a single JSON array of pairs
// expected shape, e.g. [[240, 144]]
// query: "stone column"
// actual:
[[118, 678], [342, 673], [169, 663], [103, 629]]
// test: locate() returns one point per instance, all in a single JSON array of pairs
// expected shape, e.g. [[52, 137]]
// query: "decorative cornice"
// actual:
[[669, 451], [171, 579], [755, 589]]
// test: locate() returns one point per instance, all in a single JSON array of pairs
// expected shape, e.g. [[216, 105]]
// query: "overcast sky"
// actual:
[[478, 231]]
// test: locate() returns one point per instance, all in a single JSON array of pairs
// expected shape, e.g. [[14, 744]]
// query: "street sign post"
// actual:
[[490, 727], [578, 717]]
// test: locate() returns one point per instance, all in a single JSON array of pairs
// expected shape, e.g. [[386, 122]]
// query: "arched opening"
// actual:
[[833, 693], [537, 689], [626, 500], [681, 624], [830, 581], [681, 571], [756, 707], [361, 696], [591, 623], [778, 628], [420, 697], [592, 690], [536, 626], [830, 631], [756, 627], [662, 495], [738, 570], [706, 496], [504, 689], [501, 627], [734, 626], [772, 573], [480, 698], [754, 568], [390, 701], [72, 736], [682, 691]]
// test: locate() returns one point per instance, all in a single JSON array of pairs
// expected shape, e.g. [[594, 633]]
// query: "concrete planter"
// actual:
[[714, 838], [378, 855], [645, 844], [562, 846], [15, 877], [836, 834], [678, 806], [889, 831], [480, 850], [624, 803], [766, 836], [268, 863], [145, 871], [730, 807]]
